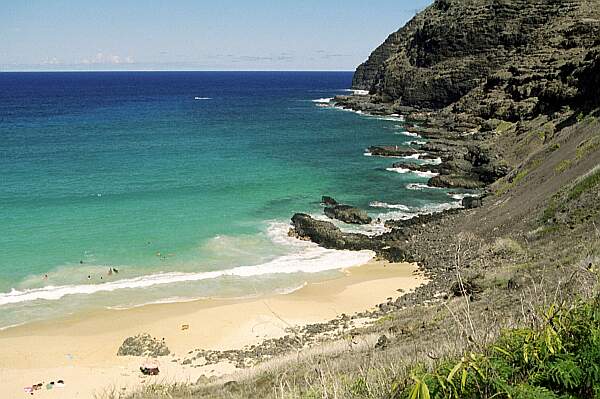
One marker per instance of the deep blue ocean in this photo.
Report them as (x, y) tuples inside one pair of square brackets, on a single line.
[(184, 182)]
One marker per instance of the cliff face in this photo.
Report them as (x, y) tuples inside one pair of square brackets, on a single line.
[(456, 46), (500, 89)]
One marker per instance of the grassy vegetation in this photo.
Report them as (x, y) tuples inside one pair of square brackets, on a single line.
[(561, 202), (506, 185), (587, 147), (499, 345), (586, 184), (563, 165), (504, 127), (561, 359)]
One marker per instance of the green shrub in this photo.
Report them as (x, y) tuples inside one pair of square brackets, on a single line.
[(560, 359)]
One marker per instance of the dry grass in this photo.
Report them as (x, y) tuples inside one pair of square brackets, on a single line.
[(421, 335)]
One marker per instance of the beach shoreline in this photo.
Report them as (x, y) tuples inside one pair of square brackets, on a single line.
[(81, 349)]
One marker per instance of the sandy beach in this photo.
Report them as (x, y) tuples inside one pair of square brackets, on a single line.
[(81, 350)]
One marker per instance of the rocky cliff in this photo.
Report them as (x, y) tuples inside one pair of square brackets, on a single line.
[(524, 50)]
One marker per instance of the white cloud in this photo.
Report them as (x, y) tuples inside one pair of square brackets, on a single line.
[(101, 58), (51, 61)]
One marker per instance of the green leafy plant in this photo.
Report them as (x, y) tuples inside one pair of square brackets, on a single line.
[(559, 359)]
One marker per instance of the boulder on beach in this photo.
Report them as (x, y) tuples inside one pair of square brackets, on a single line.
[(143, 345)]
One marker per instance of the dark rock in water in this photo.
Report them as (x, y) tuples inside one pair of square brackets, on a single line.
[(328, 201), (143, 345), (348, 214), (472, 202), (392, 151), (328, 235)]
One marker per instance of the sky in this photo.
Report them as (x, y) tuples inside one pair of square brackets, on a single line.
[(58, 35)]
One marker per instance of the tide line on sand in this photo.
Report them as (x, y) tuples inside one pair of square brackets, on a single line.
[(309, 259)]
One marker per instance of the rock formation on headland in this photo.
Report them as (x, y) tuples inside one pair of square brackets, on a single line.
[(533, 52), (502, 91), (482, 79)]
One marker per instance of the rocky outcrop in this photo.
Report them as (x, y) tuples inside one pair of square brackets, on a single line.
[(454, 46), (328, 201), (456, 181), (471, 202), (143, 345), (345, 213), (328, 235), (348, 214)]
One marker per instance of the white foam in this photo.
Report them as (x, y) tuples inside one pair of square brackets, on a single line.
[(418, 186), (434, 161), (426, 173), (396, 215), (398, 170), (322, 100), (378, 204), (414, 211), (368, 154), (433, 208), (409, 134), (358, 92), (306, 258), (393, 118), (202, 98), (290, 290), (460, 196)]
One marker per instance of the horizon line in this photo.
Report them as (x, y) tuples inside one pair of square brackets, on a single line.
[(171, 70)]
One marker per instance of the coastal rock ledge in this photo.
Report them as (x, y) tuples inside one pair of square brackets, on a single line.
[(328, 235), (348, 214)]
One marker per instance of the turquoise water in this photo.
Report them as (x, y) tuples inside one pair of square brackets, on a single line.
[(168, 176)]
